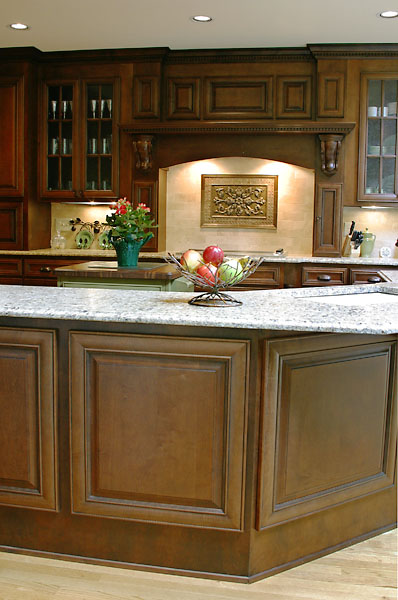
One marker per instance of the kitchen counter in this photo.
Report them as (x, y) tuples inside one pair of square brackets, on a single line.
[(268, 257), (290, 310), (232, 442)]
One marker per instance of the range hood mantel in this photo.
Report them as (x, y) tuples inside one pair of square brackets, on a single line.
[(330, 134)]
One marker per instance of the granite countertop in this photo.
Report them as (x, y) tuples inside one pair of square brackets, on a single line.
[(284, 309), (268, 257)]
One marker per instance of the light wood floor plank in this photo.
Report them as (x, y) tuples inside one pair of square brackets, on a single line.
[(366, 571)]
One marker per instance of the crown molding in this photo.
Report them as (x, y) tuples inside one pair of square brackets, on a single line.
[(344, 51), (264, 127)]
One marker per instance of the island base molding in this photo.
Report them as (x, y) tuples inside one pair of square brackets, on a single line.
[(212, 452)]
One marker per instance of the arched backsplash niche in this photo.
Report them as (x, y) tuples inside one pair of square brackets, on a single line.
[(180, 197)]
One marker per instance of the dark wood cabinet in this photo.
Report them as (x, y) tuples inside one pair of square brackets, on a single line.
[(28, 407), (378, 154), (226, 452), (12, 137), (79, 159), (320, 276)]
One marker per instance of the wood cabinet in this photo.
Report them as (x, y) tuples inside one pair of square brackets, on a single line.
[(320, 276), (10, 271), (28, 407), (79, 158), (41, 271), (222, 452), (378, 154), (12, 136), (266, 277)]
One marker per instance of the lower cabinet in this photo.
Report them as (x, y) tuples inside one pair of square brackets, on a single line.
[(158, 428), (315, 276), (10, 271), (28, 409), (366, 276), (234, 455)]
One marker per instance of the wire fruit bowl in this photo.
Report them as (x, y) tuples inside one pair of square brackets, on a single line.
[(214, 292)]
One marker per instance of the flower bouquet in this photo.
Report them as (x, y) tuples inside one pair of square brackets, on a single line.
[(129, 230)]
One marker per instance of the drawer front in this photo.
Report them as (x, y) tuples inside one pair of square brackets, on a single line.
[(44, 267), (366, 276), (12, 267), (325, 276), (265, 277)]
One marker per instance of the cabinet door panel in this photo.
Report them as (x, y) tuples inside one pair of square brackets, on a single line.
[(294, 97), (12, 137), (158, 428), (28, 419), (239, 98), (335, 440), (331, 95), (11, 215), (327, 221)]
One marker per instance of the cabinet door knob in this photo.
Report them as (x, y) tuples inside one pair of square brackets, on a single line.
[(374, 279), (324, 277), (45, 269)]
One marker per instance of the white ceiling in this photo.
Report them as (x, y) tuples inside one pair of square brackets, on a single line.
[(96, 24)]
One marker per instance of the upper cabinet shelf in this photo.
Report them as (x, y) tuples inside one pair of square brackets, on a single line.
[(79, 157), (378, 164)]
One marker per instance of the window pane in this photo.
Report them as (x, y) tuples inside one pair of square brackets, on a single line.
[(388, 174), (372, 176), (374, 133)]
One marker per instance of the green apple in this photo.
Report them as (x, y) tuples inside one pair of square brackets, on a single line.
[(230, 271)]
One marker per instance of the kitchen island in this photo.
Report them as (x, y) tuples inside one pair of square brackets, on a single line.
[(234, 442)]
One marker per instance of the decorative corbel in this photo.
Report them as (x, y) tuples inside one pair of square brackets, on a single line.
[(330, 148), (143, 152)]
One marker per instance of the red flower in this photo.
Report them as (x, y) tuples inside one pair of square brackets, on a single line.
[(121, 209)]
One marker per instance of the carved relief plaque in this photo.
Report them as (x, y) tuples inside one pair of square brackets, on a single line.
[(239, 201)]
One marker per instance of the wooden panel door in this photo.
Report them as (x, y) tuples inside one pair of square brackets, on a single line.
[(331, 95), (11, 219), (146, 97), (12, 136), (238, 98), (294, 97), (158, 428), (28, 444), (328, 431), (327, 220), (183, 98)]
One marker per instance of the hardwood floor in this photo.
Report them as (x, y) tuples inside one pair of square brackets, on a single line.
[(366, 571)]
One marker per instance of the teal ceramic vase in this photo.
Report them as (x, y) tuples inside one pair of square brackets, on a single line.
[(127, 250)]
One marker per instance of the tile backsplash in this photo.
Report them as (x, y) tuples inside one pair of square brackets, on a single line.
[(295, 208), (86, 213), (383, 222)]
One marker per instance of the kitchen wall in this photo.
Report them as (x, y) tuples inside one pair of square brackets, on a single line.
[(295, 208), (383, 222)]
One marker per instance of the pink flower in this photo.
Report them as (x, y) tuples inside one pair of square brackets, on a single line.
[(144, 206)]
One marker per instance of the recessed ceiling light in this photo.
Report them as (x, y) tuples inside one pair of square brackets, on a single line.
[(389, 14), (19, 26), (201, 19)]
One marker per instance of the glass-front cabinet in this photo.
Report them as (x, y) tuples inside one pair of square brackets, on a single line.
[(378, 163), (80, 140)]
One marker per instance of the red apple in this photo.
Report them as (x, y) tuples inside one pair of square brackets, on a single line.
[(213, 255), (190, 260), (206, 272)]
